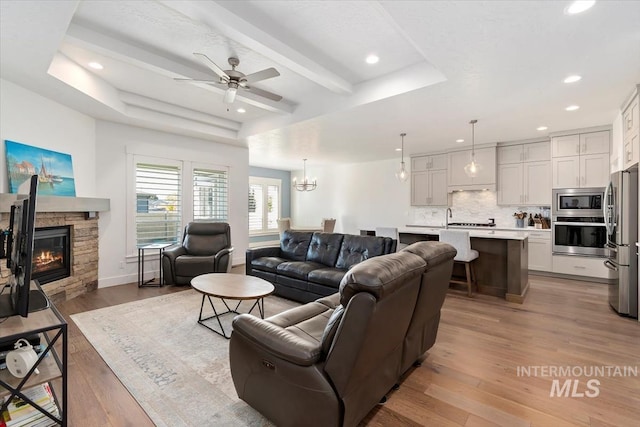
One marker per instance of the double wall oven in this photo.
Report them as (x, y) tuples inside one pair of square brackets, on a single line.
[(578, 224)]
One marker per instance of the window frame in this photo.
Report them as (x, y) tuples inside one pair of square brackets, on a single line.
[(265, 183), (187, 201)]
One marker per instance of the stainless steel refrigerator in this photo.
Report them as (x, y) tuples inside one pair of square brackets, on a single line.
[(621, 218)]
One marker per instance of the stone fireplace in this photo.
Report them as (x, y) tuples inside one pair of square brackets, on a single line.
[(51, 254), (60, 219)]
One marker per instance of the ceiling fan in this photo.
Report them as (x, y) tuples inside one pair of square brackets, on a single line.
[(234, 79)]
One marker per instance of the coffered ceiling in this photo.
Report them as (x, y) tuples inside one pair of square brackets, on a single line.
[(441, 64)]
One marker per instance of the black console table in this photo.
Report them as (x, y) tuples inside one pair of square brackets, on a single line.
[(51, 364)]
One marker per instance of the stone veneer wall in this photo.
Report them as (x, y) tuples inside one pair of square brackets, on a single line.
[(84, 253)]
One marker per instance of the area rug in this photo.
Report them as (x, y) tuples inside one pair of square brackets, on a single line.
[(175, 368)]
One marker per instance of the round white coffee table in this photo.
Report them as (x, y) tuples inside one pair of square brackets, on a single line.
[(227, 286)]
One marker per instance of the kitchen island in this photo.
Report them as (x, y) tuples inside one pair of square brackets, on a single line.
[(502, 269)]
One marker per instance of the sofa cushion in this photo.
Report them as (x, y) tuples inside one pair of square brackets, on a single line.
[(191, 266), (381, 276), (297, 269), (206, 238), (267, 263), (327, 276), (294, 244), (324, 248), (356, 249)]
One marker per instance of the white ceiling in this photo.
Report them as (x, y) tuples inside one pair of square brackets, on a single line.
[(442, 63)]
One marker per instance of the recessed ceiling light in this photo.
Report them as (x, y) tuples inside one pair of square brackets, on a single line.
[(542, 128), (579, 6), (241, 110), (572, 107), (572, 79), (96, 65), (459, 140), (398, 149), (372, 59)]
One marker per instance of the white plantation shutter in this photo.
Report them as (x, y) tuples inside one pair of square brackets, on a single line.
[(256, 207), (158, 203), (273, 206), (210, 195), (264, 205)]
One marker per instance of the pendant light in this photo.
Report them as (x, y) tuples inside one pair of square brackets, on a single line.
[(306, 184), (402, 175), (472, 168)]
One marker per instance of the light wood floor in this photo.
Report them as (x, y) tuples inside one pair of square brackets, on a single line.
[(469, 378)]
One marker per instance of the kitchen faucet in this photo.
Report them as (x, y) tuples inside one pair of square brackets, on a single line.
[(447, 215)]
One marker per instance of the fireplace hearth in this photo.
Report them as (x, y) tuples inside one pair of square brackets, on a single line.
[(51, 254)]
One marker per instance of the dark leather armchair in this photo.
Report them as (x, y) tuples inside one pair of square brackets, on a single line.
[(205, 248)]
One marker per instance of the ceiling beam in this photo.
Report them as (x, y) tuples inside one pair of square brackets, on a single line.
[(247, 34)]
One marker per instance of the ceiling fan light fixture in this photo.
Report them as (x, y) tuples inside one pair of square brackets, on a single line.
[(402, 175), (473, 168), (230, 94)]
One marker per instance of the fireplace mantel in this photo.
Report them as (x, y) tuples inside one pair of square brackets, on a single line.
[(59, 203)]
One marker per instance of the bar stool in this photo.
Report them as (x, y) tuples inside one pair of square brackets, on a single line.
[(391, 232), (460, 240)]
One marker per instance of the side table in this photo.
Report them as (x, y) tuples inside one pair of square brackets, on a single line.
[(160, 247)]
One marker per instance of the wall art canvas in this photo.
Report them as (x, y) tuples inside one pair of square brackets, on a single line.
[(54, 170)]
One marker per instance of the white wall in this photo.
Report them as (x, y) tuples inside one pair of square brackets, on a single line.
[(31, 119), (368, 195), (119, 265), (359, 196)]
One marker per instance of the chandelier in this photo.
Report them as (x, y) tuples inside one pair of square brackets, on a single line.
[(305, 185), (402, 175), (472, 168)]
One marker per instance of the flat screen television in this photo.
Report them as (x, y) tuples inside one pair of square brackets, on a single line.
[(21, 299)]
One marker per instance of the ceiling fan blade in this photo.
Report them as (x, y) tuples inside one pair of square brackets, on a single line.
[(264, 93), (262, 75), (218, 82), (209, 63), (230, 95)]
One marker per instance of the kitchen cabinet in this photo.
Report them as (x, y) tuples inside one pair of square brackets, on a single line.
[(540, 251), (486, 177), (429, 188), (433, 162), (524, 176), (580, 160), (631, 132), (581, 266)]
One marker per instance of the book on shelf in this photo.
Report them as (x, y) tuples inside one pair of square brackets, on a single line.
[(20, 413)]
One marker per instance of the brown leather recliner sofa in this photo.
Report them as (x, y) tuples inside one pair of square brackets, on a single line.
[(329, 362), (309, 265)]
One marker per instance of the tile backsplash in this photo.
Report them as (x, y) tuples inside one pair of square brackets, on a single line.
[(473, 206)]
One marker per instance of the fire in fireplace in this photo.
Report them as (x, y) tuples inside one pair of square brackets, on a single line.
[(51, 254)]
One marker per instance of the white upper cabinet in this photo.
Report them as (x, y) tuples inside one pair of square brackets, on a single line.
[(524, 174), (423, 163), (562, 146), (631, 132), (429, 180), (580, 160), (486, 177), (594, 143)]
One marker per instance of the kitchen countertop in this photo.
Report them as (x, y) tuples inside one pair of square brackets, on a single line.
[(482, 232)]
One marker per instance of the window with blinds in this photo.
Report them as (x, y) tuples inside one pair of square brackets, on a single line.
[(264, 205), (158, 203), (210, 195)]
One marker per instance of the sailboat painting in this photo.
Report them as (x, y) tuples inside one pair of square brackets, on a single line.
[(54, 169)]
